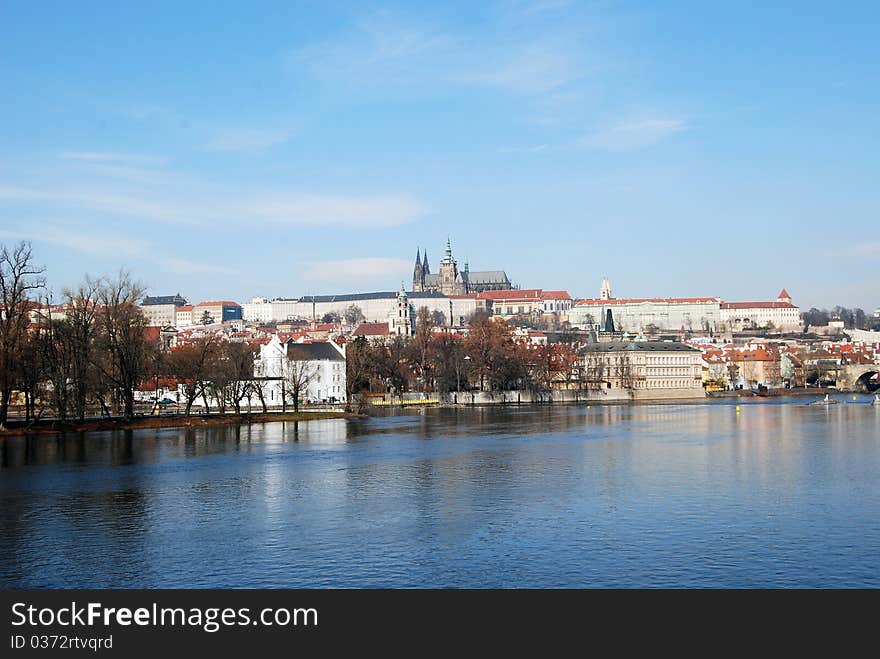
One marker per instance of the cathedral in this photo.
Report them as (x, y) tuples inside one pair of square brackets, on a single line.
[(452, 281)]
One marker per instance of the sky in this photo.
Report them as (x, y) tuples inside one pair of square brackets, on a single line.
[(229, 150)]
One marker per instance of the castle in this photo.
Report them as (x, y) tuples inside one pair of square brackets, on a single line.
[(452, 281)]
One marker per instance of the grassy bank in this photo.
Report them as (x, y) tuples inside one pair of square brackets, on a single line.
[(194, 421)]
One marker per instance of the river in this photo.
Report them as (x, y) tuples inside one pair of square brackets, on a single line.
[(777, 494)]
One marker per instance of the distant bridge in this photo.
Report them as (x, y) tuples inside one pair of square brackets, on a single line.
[(858, 376)]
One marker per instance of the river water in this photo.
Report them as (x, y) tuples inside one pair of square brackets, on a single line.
[(778, 494)]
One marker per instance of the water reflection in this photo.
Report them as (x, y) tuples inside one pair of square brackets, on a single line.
[(617, 495)]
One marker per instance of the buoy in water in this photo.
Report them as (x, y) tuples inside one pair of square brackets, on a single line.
[(737, 408)]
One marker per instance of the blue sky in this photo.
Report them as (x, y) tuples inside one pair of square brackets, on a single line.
[(239, 149)]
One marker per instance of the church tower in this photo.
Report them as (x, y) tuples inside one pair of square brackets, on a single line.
[(418, 284), (605, 293), (448, 271), (401, 321)]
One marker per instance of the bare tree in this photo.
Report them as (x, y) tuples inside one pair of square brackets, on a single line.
[(298, 374), (81, 310), (122, 325), (239, 369), (624, 373), (54, 340), (19, 280), (419, 348), (31, 374), (259, 386), (358, 367), (190, 363)]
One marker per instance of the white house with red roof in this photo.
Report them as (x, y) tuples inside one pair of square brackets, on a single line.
[(525, 301), (781, 314)]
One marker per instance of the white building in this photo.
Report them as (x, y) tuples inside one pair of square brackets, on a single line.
[(636, 314), (324, 364), (373, 306), (781, 314), (184, 316), (258, 310), (161, 311), (647, 369)]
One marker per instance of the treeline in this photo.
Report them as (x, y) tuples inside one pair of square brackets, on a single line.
[(852, 318), (95, 353), (488, 358)]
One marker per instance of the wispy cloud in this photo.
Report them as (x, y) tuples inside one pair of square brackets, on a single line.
[(182, 266), (201, 207), (249, 140), (355, 270), (538, 148), (534, 69), (379, 50), (385, 51), (96, 243), (635, 134), (868, 249), (108, 203), (113, 157), (357, 212)]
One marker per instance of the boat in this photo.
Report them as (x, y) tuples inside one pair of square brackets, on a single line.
[(825, 401), (876, 400)]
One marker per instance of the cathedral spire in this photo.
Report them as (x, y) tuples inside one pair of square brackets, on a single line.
[(448, 257)]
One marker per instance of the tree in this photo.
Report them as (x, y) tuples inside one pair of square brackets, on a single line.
[(358, 369), (207, 318), (495, 358), (191, 363), (624, 373), (238, 365), (732, 373), (31, 373), (54, 339), (449, 364), (419, 352), (353, 315), (82, 306), (593, 370), (331, 317), (439, 318), (122, 335), (299, 374), (19, 281)]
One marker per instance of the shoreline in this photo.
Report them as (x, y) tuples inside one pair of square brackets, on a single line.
[(51, 427), (21, 428)]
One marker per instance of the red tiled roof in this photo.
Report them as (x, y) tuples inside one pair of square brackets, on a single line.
[(555, 295), (784, 295), (184, 308), (523, 294), (163, 383), (372, 329), (218, 303), (757, 305)]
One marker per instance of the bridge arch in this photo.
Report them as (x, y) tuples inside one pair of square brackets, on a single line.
[(868, 381)]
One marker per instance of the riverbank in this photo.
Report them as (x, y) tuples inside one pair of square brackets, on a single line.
[(779, 393), (50, 427)]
